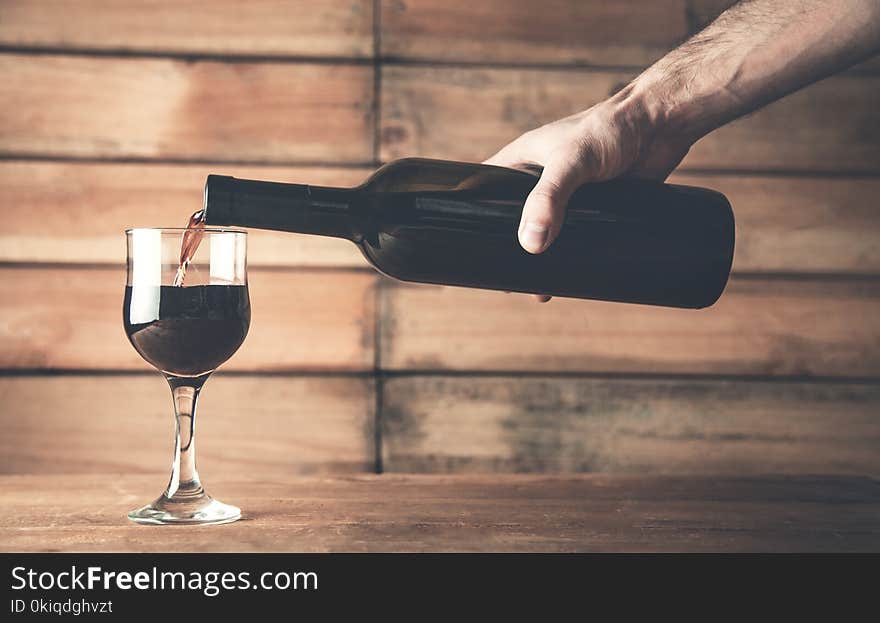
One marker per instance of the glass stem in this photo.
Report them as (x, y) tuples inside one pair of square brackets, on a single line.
[(184, 481)]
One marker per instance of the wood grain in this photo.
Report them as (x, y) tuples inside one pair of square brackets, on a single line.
[(642, 426), (71, 318), (161, 108), (247, 425), (456, 514), (75, 212), (703, 12), (801, 224), (628, 32), (758, 327), (268, 27), (829, 126), (468, 113)]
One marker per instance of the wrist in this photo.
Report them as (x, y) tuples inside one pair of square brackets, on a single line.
[(678, 109), (646, 110)]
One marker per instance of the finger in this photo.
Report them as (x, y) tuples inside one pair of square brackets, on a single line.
[(507, 156), (544, 210)]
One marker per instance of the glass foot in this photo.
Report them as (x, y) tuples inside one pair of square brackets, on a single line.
[(197, 510)]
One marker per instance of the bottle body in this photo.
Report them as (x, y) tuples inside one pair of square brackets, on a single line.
[(456, 224)]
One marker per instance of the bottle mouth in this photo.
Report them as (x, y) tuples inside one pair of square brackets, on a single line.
[(179, 230)]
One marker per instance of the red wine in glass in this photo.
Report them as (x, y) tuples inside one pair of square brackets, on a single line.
[(196, 328)]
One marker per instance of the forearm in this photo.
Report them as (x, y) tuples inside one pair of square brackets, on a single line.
[(754, 53)]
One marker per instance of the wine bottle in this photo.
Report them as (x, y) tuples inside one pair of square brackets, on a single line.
[(454, 223)]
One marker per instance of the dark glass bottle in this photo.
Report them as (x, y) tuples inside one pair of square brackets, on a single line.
[(455, 223)]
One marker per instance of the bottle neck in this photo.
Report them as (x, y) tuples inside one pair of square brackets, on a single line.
[(298, 208)]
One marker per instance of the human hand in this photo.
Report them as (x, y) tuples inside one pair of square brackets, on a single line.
[(611, 139), (598, 144)]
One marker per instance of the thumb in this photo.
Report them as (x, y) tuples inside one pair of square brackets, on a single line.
[(544, 210)]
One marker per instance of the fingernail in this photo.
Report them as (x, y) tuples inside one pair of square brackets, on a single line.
[(533, 237)]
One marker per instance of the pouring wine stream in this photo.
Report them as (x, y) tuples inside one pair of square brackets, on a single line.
[(189, 244)]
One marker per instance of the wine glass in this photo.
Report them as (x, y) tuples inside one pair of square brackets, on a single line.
[(186, 331)]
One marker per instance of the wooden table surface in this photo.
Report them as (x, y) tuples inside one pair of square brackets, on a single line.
[(412, 513)]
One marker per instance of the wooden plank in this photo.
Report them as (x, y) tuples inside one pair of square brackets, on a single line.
[(247, 425), (76, 211), (512, 513), (702, 12), (71, 318), (267, 27), (161, 108), (468, 113), (429, 111), (628, 32), (758, 327), (801, 224), (829, 126), (504, 424)]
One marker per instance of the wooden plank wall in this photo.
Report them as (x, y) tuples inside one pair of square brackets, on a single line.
[(113, 113)]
